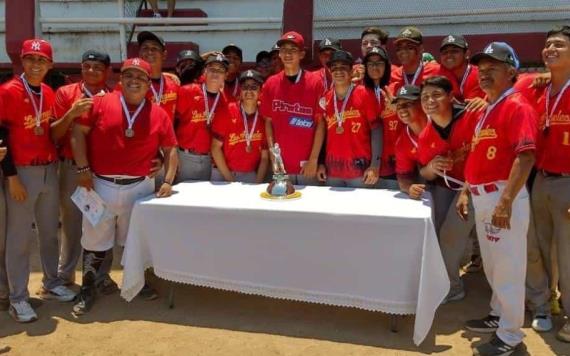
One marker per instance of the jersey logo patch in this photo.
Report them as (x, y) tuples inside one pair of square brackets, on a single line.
[(302, 122)]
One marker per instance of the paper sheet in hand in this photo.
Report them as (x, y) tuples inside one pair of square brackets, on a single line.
[(90, 204)]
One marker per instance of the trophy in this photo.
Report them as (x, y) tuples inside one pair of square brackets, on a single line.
[(280, 187)]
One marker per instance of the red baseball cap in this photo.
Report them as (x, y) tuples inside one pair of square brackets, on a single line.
[(292, 37), (138, 64), (37, 46)]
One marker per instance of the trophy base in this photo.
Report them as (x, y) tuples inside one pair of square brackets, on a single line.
[(268, 196)]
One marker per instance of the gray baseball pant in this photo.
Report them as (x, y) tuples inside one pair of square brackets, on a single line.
[(243, 177), (41, 206), (550, 202), (3, 277), (193, 167)]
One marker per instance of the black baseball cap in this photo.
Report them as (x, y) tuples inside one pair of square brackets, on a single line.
[(149, 36), (341, 56), (235, 48), (251, 74), (499, 51), (409, 92), (217, 58), (275, 48), (454, 40), (94, 55), (330, 43), (410, 33), (379, 51), (261, 56), (188, 54)]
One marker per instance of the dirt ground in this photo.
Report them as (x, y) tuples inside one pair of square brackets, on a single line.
[(211, 322)]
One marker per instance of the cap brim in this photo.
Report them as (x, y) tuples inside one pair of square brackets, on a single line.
[(281, 42), (37, 53), (406, 97), (479, 56), (124, 68), (370, 54), (407, 39), (345, 61), (334, 48), (453, 45)]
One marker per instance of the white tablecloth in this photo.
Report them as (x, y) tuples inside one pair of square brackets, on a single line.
[(370, 249)]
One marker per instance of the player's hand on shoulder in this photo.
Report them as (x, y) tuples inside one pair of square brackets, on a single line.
[(81, 106), (476, 104)]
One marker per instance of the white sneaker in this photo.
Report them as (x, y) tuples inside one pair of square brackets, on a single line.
[(23, 312), (542, 323), (59, 293)]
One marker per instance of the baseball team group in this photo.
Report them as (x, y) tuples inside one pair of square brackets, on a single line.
[(490, 144)]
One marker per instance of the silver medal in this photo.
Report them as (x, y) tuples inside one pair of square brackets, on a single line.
[(130, 133), (38, 130)]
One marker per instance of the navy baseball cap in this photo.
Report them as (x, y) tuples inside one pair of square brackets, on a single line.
[(454, 40), (341, 56), (149, 36), (251, 74), (98, 56), (330, 43), (217, 58), (235, 48), (499, 51), (409, 92), (379, 51), (188, 54)]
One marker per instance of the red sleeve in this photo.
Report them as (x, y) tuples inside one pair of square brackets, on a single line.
[(404, 163), (167, 137), (423, 151), (62, 104), (266, 94), (523, 128)]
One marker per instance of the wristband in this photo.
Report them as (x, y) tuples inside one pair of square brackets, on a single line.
[(167, 182)]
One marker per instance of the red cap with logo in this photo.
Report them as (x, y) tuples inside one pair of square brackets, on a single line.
[(37, 46), (292, 37), (138, 64)]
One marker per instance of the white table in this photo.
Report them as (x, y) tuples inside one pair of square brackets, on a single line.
[(369, 249)]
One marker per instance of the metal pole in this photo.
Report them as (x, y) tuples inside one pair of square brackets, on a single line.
[(122, 31)]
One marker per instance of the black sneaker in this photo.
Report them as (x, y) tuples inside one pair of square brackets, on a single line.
[(148, 293), (496, 347), (84, 301), (486, 325), (107, 286)]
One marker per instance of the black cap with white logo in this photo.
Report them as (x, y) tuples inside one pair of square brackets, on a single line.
[(251, 74), (408, 92), (98, 56), (454, 40)]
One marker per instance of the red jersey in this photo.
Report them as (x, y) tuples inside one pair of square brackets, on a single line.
[(169, 97), (467, 86), (457, 145), (65, 96), (348, 154), (294, 112), (232, 90), (509, 129), (110, 151), (326, 78), (406, 153), (392, 127), (192, 130), (524, 86), (553, 143), (20, 118), (429, 69), (231, 131)]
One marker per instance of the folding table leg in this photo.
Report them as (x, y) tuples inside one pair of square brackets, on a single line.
[(394, 327), (171, 295)]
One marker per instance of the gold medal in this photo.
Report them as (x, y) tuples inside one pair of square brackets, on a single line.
[(130, 133), (339, 130), (248, 148), (38, 130)]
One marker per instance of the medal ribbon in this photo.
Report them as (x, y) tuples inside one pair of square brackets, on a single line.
[(416, 75), (248, 133), (549, 113), (414, 142), (339, 116), (464, 79), (158, 96), (37, 110), (131, 119), (209, 114), (488, 111)]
